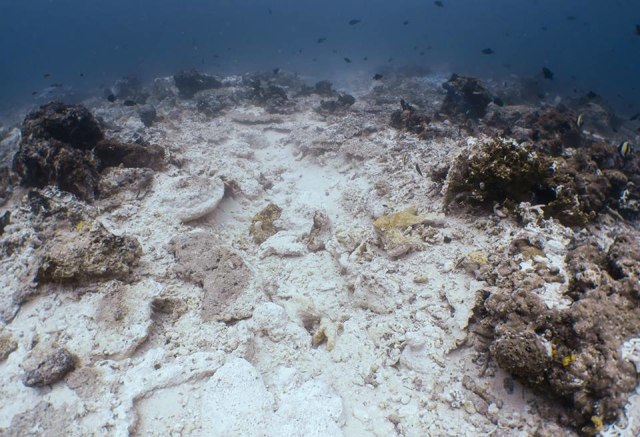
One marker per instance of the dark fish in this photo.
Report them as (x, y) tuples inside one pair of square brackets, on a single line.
[(46, 75), (506, 65), (111, 98), (422, 53), (334, 51), (390, 60), (33, 93), (81, 74), (276, 71), (270, 11), (637, 29), (544, 28), (366, 58), (591, 95), (377, 76), (347, 60), (56, 85), (548, 74), (405, 22), (635, 117), (354, 22), (321, 40), (129, 103), (487, 51), (498, 101), (439, 4), (571, 18), (418, 169)]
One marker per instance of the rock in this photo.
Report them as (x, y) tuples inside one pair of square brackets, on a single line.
[(190, 82), (70, 124), (5, 219), (284, 244), (48, 368), (8, 344), (397, 233), (343, 102), (319, 231), (324, 88), (63, 145), (192, 197), (219, 270), (86, 254), (133, 183), (148, 115), (111, 153), (465, 97), (129, 88), (55, 149), (262, 224)]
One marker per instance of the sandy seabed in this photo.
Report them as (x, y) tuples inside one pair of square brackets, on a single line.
[(268, 298)]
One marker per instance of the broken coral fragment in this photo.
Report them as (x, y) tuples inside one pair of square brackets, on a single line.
[(90, 253), (262, 224), (47, 368)]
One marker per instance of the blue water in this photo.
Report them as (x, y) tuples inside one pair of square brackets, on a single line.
[(107, 39)]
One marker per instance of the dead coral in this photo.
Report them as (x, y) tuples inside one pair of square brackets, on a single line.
[(466, 97), (63, 145), (86, 254), (219, 270), (8, 344), (570, 353), (262, 224)]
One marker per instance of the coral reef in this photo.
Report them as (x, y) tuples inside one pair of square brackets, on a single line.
[(573, 190), (466, 97), (572, 353), (64, 145)]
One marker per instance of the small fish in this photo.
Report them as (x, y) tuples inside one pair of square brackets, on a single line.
[(418, 169), (321, 40), (548, 74), (405, 157), (439, 4), (390, 60), (276, 71), (635, 117), (111, 98), (624, 149), (270, 11), (56, 85), (129, 103), (498, 101), (488, 51), (377, 76), (405, 22), (347, 60), (33, 93), (571, 18), (580, 121), (354, 22), (81, 74), (46, 75), (637, 29), (366, 58)]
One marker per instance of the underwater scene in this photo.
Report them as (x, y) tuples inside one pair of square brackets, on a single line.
[(309, 219)]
